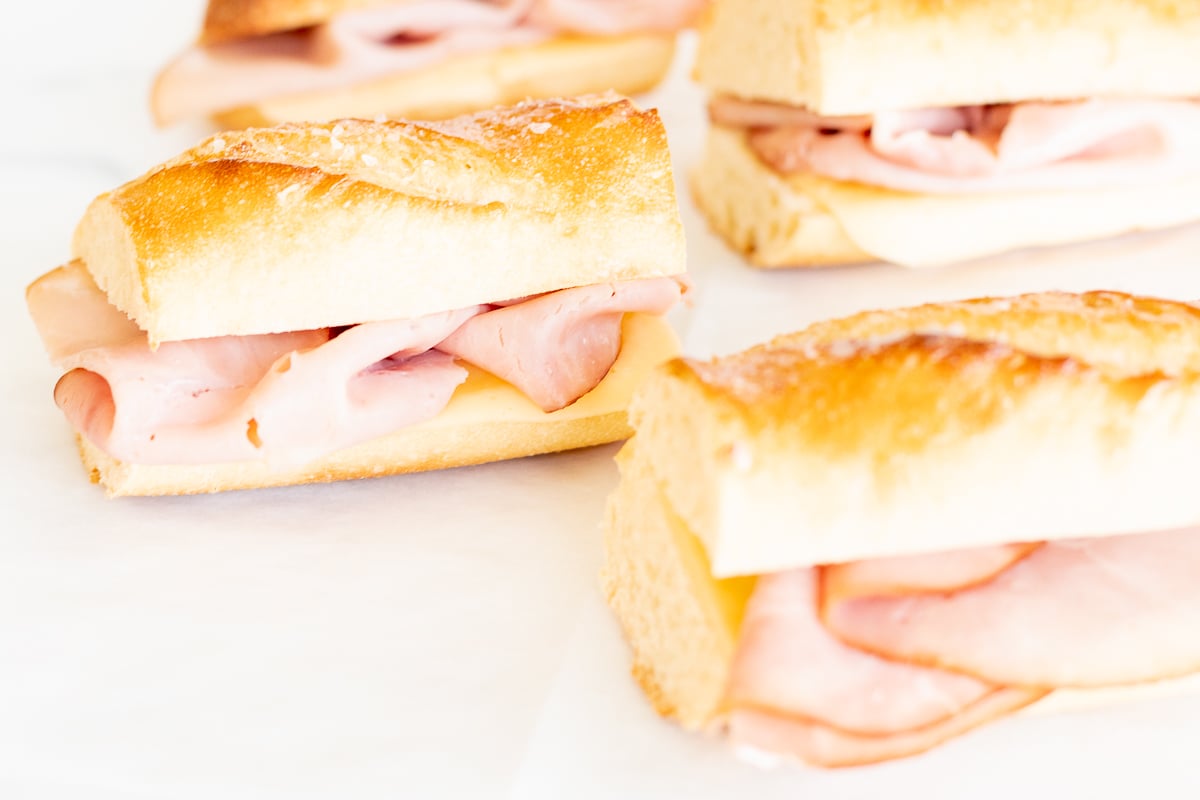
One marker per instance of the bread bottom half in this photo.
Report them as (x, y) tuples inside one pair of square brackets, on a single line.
[(562, 67), (682, 624), (486, 420), (805, 220)]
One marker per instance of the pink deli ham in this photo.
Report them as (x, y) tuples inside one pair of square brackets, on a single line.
[(1023, 147), (788, 663), (360, 46), (830, 747), (291, 397), (556, 347), (1083, 613), (856, 663)]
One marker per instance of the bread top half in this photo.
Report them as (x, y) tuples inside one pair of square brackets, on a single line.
[(933, 428), (231, 20), (306, 225), (863, 56)]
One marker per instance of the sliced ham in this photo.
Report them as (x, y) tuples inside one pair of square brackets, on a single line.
[(932, 572), (361, 46), (1083, 613), (291, 397), (170, 405), (789, 665), (1023, 147), (829, 747), (370, 380), (856, 663), (557, 347)]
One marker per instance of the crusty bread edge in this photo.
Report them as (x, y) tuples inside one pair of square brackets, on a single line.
[(863, 56), (507, 203)]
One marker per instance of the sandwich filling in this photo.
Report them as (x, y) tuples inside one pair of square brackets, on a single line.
[(289, 398), (1032, 146), (363, 45), (860, 662)]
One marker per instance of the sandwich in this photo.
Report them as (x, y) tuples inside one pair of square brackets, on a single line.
[(262, 62), (864, 539), (317, 302), (930, 133)]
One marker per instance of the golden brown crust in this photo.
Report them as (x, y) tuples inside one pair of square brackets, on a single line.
[(389, 219), (916, 391), (860, 56), (943, 426), (1121, 334), (564, 66), (228, 20)]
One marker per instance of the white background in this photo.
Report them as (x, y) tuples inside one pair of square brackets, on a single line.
[(432, 635)]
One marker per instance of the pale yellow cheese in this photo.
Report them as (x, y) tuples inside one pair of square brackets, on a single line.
[(925, 230)]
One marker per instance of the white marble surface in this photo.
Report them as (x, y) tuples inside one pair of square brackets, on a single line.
[(429, 636)]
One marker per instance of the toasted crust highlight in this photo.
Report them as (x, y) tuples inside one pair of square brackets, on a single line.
[(390, 219)]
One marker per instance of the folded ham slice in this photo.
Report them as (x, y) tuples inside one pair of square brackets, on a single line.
[(585, 321), (1027, 146), (1084, 613), (288, 398), (788, 663), (360, 46), (855, 663)]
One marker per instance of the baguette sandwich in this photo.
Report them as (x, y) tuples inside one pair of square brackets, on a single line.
[(930, 133), (864, 539), (321, 302), (261, 62)]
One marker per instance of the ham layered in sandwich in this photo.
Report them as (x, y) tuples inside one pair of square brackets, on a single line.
[(864, 539), (928, 133), (319, 302), (268, 61)]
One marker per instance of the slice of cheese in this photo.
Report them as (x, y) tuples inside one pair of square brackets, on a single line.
[(927, 230)]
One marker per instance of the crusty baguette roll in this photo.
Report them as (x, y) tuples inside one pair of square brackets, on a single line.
[(808, 220), (914, 430), (321, 302), (534, 198), (862, 56), (564, 66), (944, 427)]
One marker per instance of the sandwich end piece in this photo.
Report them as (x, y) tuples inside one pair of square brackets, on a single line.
[(680, 624)]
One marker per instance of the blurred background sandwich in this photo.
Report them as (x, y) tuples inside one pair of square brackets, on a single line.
[(260, 62), (929, 133)]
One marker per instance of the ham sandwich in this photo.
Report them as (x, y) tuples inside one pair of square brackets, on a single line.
[(884, 131), (239, 64), (362, 335), (891, 529)]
